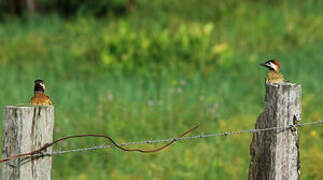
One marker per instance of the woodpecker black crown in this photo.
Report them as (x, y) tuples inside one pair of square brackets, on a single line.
[(271, 64)]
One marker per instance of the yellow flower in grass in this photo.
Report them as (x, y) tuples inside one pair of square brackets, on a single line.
[(82, 177), (313, 133)]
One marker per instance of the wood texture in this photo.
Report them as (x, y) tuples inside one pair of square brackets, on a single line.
[(275, 154), (25, 129)]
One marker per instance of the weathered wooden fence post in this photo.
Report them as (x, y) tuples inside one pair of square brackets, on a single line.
[(275, 154), (25, 129)]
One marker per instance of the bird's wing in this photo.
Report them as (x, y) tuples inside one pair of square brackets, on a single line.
[(33, 100), (49, 102)]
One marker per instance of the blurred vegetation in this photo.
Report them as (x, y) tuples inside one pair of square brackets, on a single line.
[(157, 69)]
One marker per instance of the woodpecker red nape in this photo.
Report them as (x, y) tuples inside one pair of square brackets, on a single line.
[(277, 64), (274, 76), (272, 65)]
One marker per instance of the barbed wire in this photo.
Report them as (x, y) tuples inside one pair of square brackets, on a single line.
[(201, 136), (40, 151)]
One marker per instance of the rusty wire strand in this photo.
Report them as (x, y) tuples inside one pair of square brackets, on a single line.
[(40, 151), (172, 140)]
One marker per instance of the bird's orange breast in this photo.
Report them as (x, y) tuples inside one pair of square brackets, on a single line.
[(40, 99)]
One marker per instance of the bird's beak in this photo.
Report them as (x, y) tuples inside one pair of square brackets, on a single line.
[(43, 86), (263, 64)]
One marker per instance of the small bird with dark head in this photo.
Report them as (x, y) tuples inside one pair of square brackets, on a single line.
[(40, 98), (274, 76)]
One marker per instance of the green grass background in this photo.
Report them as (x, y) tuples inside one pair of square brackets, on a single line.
[(159, 70)]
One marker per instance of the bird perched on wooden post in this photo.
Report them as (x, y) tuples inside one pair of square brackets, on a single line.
[(40, 98), (274, 76)]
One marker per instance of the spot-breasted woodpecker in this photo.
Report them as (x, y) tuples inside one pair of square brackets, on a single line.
[(274, 76)]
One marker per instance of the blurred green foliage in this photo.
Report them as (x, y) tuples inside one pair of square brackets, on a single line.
[(130, 50), (159, 69)]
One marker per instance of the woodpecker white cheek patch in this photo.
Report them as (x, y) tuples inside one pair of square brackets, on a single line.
[(272, 65)]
